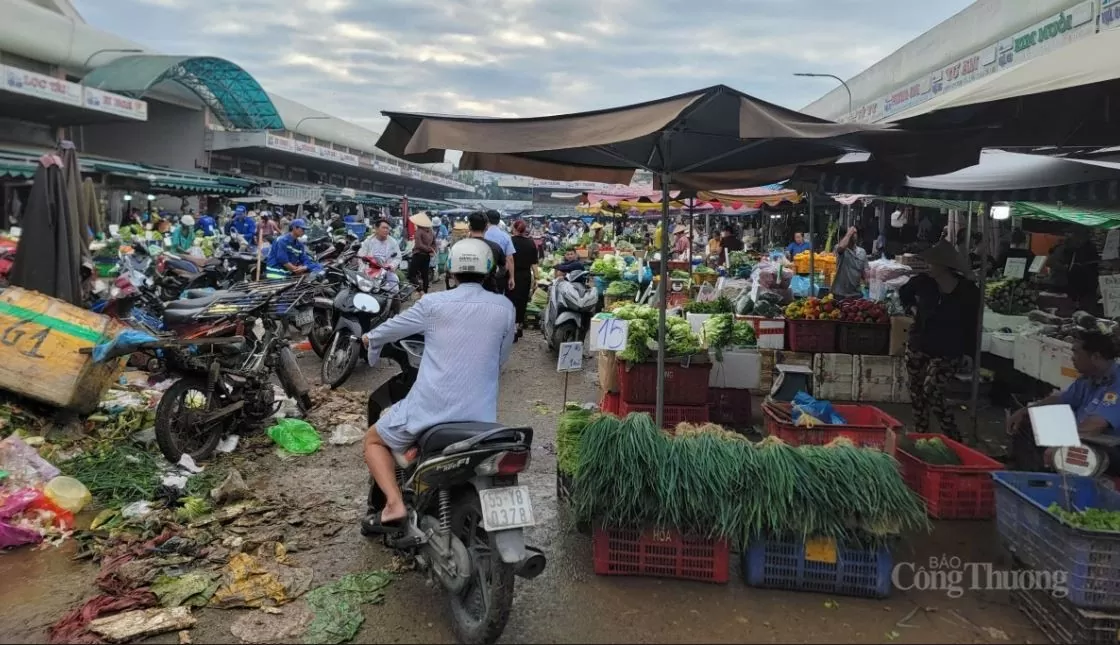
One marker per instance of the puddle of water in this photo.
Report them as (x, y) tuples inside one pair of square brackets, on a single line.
[(39, 587)]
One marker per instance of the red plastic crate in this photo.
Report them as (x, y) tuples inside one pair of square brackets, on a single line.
[(660, 553), (673, 414), (637, 382), (609, 403), (730, 407), (868, 339), (964, 492), (816, 336), (866, 425)]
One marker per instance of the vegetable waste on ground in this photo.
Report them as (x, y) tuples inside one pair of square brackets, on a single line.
[(712, 482)]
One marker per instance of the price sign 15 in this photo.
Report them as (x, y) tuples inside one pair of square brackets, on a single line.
[(611, 335)]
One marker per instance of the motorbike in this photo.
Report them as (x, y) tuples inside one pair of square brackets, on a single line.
[(334, 278), (572, 300), (362, 304), (228, 348), (466, 511)]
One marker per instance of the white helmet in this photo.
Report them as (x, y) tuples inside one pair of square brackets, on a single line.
[(471, 255)]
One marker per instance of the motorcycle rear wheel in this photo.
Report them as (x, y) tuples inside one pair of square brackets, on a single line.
[(177, 430), (338, 363), (321, 331), (565, 333), (480, 613)]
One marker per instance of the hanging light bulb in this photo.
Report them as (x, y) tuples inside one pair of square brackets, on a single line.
[(151, 198), (127, 198), (1001, 211)]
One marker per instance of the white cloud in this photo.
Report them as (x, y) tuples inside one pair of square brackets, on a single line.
[(354, 58)]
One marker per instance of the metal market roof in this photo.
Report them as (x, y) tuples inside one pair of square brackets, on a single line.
[(21, 163), (231, 93)]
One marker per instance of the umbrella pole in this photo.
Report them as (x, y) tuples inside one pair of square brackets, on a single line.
[(974, 398), (663, 303), (812, 251)]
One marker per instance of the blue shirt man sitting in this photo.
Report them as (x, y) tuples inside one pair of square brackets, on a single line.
[(245, 226), (288, 253)]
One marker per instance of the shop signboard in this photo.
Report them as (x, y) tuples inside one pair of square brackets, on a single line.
[(1110, 14), (48, 88), (280, 143), (111, 103), (1048, 35), (1042, 37)]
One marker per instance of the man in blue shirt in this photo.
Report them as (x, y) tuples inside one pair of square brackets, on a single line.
[(798, 245), (289, 253), (243, 225), (502, 239), (207, 224), (1094, 397)]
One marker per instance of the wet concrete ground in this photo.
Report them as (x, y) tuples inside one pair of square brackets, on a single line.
[(568, 603)]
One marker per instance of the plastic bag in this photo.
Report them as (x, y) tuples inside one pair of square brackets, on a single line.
[(24, 465), (296, 436), (884, 276), (803, 404), (799, 285)]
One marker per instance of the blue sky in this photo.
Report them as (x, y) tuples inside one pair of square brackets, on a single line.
[(353, 58)]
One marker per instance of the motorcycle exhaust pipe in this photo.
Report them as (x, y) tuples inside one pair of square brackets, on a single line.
[(533, 564)]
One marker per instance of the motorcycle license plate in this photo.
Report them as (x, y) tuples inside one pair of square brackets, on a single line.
[(506, 508), (304, 317)]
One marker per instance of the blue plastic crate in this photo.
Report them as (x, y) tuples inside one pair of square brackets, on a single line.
[(1091, 559), (357, 229), (782, 564)]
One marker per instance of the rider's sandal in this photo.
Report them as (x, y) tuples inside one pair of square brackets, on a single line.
[(373, 524)]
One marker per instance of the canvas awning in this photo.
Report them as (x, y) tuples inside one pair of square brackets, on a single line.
[(716, 137), (1000, 176)]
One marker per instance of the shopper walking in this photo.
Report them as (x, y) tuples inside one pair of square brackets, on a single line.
[(525, 261), (423, 248), (944, 302)]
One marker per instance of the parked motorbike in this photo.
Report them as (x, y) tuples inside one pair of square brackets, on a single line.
[(466, 511), (333, 280), (362, 304), (572, 300), (230, 346)]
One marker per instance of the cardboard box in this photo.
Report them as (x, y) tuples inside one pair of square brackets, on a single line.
[(740, 369), (608, 373), (900, 334)]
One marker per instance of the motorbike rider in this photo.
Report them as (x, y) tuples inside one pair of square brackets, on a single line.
[(207, 224), (182, 238), (459, 371), (383, 248), (243, 225), (571, 263), (497, 280), (289, 253)]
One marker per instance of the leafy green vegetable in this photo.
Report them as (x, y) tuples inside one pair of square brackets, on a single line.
[(721, 305), (931, 450), (679, 339), (623, 288), (1094, 519), (677, 274), (568, 430)]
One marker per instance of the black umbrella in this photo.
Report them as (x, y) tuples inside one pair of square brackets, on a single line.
[(716, 137), (48, 259)]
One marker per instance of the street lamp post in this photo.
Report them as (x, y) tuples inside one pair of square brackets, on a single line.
[(833, 76), (85, 65), (307, 118)]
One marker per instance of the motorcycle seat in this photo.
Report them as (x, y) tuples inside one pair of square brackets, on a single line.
[(196, 299), (436, 438)]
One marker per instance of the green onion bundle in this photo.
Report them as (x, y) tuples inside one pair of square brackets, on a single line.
[(711, 482)]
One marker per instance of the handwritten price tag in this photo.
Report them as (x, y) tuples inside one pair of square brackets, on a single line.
[(1015, 268), (570, 358), (1037, 264), (611, 335)]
